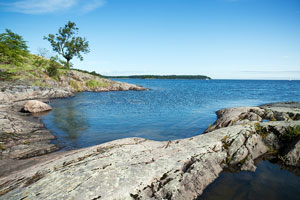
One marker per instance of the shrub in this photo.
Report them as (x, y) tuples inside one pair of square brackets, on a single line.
[(53, 67)]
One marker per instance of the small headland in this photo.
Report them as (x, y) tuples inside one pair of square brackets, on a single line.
[(22, 135)]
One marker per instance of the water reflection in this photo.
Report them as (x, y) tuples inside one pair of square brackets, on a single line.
[(71, 121), (269, 181)]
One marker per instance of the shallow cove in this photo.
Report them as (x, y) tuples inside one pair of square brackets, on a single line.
[(172, 109)]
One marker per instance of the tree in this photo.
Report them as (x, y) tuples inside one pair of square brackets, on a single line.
[(67, 43), (43, 52), (13, 48)]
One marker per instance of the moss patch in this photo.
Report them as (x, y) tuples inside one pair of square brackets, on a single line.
[(259, 130)]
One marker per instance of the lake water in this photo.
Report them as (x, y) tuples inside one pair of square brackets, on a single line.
[(172, 109), (175, 109)]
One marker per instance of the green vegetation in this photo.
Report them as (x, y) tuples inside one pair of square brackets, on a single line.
[(291, 133), (67, 44), (53, 67), (32, 68), (16, 63), (202, 77), (95, 84), (259, 130), (13, 48), (76, 85)]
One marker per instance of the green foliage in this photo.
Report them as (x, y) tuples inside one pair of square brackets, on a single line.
[(53, 67), (66, 64), (13, 48), (4, 75), (95, 84), (39, 61), (67, 44), (290, 134)]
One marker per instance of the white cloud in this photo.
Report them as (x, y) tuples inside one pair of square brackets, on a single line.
[(92, 4), (51, 6)]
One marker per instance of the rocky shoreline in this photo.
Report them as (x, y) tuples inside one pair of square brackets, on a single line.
[(136, 168), (22, 135)]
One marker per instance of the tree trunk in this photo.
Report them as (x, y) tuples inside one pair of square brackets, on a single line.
[(68, 63)]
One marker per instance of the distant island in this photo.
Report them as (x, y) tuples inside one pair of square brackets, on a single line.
[(202, 77)]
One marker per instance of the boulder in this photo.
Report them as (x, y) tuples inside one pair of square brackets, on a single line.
[(35, 106)]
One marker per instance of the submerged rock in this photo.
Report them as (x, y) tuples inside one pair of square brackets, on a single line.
[(35, 106)]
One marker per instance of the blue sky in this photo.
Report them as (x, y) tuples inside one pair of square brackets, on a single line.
[(246, 39)]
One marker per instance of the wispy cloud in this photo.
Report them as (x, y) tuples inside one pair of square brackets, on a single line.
[(92, 4), (50, 6)]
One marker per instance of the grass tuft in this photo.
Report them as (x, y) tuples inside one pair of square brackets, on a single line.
[(95, 84)]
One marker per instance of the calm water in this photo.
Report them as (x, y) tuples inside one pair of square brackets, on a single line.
[(175, 109), (172, 109), (269, 182)]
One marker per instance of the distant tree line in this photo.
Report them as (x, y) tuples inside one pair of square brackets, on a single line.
[(202, 77)]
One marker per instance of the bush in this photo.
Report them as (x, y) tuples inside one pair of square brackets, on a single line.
[(53, 68), (13, 48)]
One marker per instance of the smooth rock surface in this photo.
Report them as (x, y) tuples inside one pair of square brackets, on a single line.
[(35, 106), (232, 116)]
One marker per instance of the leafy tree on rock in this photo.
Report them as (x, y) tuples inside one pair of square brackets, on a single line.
[(67, 43), (13, 48)]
